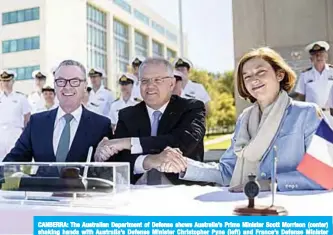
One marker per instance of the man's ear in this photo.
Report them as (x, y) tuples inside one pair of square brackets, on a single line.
[(280, 74)]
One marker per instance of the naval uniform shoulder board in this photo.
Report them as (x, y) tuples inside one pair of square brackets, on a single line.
[(137, 100), (307, 69), (20, 93), (330, 65), (115, 100)]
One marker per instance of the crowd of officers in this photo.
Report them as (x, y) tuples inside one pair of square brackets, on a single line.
[(16, 108), (314, 85)]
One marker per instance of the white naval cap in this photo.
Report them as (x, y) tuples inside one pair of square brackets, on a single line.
[(126, 78), (317, 46), (178, 75), (182, 62), (96, 72), (38, 74), (137, 60), (6, 74)]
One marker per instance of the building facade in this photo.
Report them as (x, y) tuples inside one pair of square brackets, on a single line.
[(284, 25), (38, 34)]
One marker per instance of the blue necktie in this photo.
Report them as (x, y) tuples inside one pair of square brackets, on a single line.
[(63, 146), (154, 177)]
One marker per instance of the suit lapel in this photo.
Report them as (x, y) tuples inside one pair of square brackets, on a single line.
[(170, 116), (49, 130), (80, 137), (143, 120)]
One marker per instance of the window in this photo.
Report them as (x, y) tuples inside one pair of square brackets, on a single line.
[(171, 54), (121, 45), (24, 73), (142, 17), (96, 38), (124, 5), (158, 27), (22, 44), (96, 16), (20, 16), (171, 36), (158, 49), (141, 44)]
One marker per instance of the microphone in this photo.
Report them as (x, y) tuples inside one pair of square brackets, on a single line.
[(273, 178), (85, 171)]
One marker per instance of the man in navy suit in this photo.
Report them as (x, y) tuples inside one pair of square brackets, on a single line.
[(66, 133)]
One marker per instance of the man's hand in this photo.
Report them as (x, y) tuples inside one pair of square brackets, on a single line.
[(104, 151), (170, 161), (265, 185)]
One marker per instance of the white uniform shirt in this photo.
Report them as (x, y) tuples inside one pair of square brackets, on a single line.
[(194, 90), (100, 101), (36, 101), (42, 109), (136, 94), (315, 86), (13, 108), (118, 105)]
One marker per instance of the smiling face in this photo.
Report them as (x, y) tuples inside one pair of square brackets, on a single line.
[(70, 85), (157, 84), (260, 79)]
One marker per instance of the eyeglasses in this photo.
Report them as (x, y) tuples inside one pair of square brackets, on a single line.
[(74, 82), (145, 81)]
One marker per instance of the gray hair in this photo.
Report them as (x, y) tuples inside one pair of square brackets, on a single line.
[(156, 61), (72, 63)]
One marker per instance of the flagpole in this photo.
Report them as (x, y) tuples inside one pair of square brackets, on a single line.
[(180, 15)]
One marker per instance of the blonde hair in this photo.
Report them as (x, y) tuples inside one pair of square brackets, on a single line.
[(277, 63)]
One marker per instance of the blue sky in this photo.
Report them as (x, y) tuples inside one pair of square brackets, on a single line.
[(208, 24)]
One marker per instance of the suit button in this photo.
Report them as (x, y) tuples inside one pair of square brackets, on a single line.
[(263, 174)]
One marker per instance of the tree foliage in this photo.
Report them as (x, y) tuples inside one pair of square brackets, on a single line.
[(220, 87)]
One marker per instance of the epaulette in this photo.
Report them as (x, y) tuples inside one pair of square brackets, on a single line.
[(116, 100), (18, 92), (137, 100), (330, 65), (307, 69)]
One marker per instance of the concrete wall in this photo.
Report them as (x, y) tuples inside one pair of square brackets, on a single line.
[(284, 25)]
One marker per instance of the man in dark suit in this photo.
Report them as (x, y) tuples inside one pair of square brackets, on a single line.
[(66, 133), (154, 135)]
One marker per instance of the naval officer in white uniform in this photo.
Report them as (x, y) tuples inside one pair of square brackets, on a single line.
[(48, 93), (36, 99), (15, 113), (126, 82), (191, 90), (315, 83), (100, 99), (136, 62)]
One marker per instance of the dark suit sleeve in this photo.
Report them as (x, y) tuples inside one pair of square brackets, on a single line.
[(188, 133), (22, 151), (125, 155)]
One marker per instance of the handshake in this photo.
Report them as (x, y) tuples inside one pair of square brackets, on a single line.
[(170, 160)]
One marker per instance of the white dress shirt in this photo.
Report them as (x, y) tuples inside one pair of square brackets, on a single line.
[(60, 123), (136, 145)]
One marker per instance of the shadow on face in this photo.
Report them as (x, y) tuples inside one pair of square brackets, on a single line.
[(96, 81), (319, 58), (70, 85), (126, 89), (6, 85), (157, 85), (49, 96), (40, 83), (260, 79)]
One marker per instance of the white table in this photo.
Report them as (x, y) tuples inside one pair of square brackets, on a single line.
[(169, 200)]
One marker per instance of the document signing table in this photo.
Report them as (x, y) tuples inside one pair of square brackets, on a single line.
[(166, 200)]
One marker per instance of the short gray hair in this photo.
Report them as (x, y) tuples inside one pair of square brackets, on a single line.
[(72, 63), (156, 61)]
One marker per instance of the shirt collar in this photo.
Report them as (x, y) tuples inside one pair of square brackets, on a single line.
[(99, 89), (151, 111), (76, 113)]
